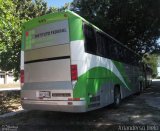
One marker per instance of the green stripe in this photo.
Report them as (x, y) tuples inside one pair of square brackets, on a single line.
[(75, 28), (92, 81), (121, 68)]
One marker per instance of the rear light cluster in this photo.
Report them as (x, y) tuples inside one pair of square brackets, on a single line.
[(74, 99), (74, 73), (70, 100), (22, 76)]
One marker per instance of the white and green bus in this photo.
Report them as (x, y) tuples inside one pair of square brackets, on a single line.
[(70, 65)]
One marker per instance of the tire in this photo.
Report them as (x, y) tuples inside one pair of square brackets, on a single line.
[(117, 97)]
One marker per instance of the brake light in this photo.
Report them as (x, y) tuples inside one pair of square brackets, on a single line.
[(74, 99), (22, 76), (74, 73)]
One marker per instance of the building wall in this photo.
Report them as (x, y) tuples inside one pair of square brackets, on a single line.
[(7, 78)]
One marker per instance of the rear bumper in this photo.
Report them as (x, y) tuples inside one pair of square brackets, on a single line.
[(77, 106)]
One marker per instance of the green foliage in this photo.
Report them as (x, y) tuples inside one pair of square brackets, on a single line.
[(158, 77), (66, 6), (13, 14), (152, 61), (9, 26), (136, 23)]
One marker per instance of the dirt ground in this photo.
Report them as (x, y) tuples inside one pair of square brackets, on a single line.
[(10, 85), (9, 101), (136, 112)]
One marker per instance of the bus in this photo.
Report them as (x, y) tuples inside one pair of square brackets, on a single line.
[(70, 65)]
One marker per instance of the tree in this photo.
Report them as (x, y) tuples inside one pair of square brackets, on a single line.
[(136, 23), (9, 28), (13, 15), (152, 61)]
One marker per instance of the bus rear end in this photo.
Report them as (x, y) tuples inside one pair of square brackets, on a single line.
[(47, 73)]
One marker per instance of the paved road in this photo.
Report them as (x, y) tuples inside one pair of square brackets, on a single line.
[(134, 110)]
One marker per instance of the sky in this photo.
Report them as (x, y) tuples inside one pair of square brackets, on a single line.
[(57, 3)]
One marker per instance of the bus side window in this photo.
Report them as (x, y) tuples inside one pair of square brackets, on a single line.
[(113, 54), (99, 42), (101, 45), (120, 53), (90, 40), (125, 56), (115, 51)]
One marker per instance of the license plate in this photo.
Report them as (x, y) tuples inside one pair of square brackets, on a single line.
[(44, 94)]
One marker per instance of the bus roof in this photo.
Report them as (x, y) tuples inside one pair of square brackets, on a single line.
[(48, 18)]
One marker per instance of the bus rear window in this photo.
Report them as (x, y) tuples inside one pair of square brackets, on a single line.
[(47, 35)]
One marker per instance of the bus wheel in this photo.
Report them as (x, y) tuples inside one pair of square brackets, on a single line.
[(117, 96)]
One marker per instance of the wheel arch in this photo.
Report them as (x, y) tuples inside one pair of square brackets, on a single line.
[(119, 87)]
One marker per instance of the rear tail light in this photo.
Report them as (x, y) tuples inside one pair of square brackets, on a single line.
[(74, 99), (22, 76), (74, 73)]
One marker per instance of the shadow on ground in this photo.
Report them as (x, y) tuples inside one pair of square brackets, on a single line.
[(9, 101)]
